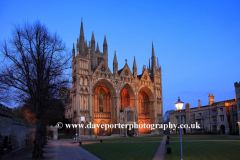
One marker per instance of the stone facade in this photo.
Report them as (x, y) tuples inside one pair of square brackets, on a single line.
[(217, 117), (15, 133), (102, 97)]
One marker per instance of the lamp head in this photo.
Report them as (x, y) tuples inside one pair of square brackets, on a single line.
[(179, 104)]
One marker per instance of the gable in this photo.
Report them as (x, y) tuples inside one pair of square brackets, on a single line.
[(125, 72), (145, 76), (102, 68)]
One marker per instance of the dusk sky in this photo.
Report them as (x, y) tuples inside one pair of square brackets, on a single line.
[(197, 42)]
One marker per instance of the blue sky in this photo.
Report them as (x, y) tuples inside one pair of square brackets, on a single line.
[(196, 42)]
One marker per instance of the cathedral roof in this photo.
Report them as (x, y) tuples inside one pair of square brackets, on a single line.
[(120, 71)]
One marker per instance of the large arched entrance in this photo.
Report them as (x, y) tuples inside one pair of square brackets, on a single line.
[(145, 99), (127, 97), (103, 111)]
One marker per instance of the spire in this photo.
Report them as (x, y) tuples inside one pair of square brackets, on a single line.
[(153, 54), (105, 41), (93, 39), (81, 29), (134, 68), (92, 44), (134, 63), (115, 64), (97, 50), (81, 40), (157, 63), (115, 58), (153, 67), (73, 51), (105, 46)]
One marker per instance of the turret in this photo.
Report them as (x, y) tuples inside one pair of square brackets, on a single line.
[(134, 68), (115, 64), (105, 46)]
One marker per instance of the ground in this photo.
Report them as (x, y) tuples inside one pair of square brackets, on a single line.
[(205, 147), (197, 147)]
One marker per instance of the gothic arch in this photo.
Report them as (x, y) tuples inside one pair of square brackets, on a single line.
[(107, 84), (147, 91), (128, 87), (127, 97), (145, 102)]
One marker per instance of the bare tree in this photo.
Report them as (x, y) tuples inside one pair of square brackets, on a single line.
[(36, 64), (166, 115)]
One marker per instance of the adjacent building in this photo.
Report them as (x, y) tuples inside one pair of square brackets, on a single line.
[(216, 117)]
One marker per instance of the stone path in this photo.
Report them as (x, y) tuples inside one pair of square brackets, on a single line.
[(58, 150), (160, 154)]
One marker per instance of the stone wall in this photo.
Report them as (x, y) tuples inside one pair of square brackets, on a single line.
[(15, 133)]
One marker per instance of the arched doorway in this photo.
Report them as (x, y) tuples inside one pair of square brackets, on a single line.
[(222, 129), (102, 109), (143, 111), (127, 97)]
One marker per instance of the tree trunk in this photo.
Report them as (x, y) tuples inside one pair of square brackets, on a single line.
[(38, 153)]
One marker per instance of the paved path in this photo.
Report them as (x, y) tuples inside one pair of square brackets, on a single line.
[(64, 149), (58, 150), (160, 154)]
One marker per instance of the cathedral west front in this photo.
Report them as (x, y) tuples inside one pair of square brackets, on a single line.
[(99, 96)]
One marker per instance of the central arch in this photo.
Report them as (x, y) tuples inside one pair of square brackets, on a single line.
[(127, 97)]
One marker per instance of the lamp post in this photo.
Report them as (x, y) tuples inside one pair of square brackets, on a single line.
[(179, 106), (76, 132)]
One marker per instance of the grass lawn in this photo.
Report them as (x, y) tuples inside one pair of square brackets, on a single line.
[(123, 151), (65, 136), (203, 137), (132, 139), (205, 151)]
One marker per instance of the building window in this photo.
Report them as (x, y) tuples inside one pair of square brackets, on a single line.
[(222, 118), (214, 118), (200, 114), (206, 120), (221, 109)]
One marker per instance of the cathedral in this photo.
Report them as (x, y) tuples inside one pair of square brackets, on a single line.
[(99, 96)]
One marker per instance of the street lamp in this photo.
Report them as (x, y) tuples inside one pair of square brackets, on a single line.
[(179, 106), (76, 132)]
